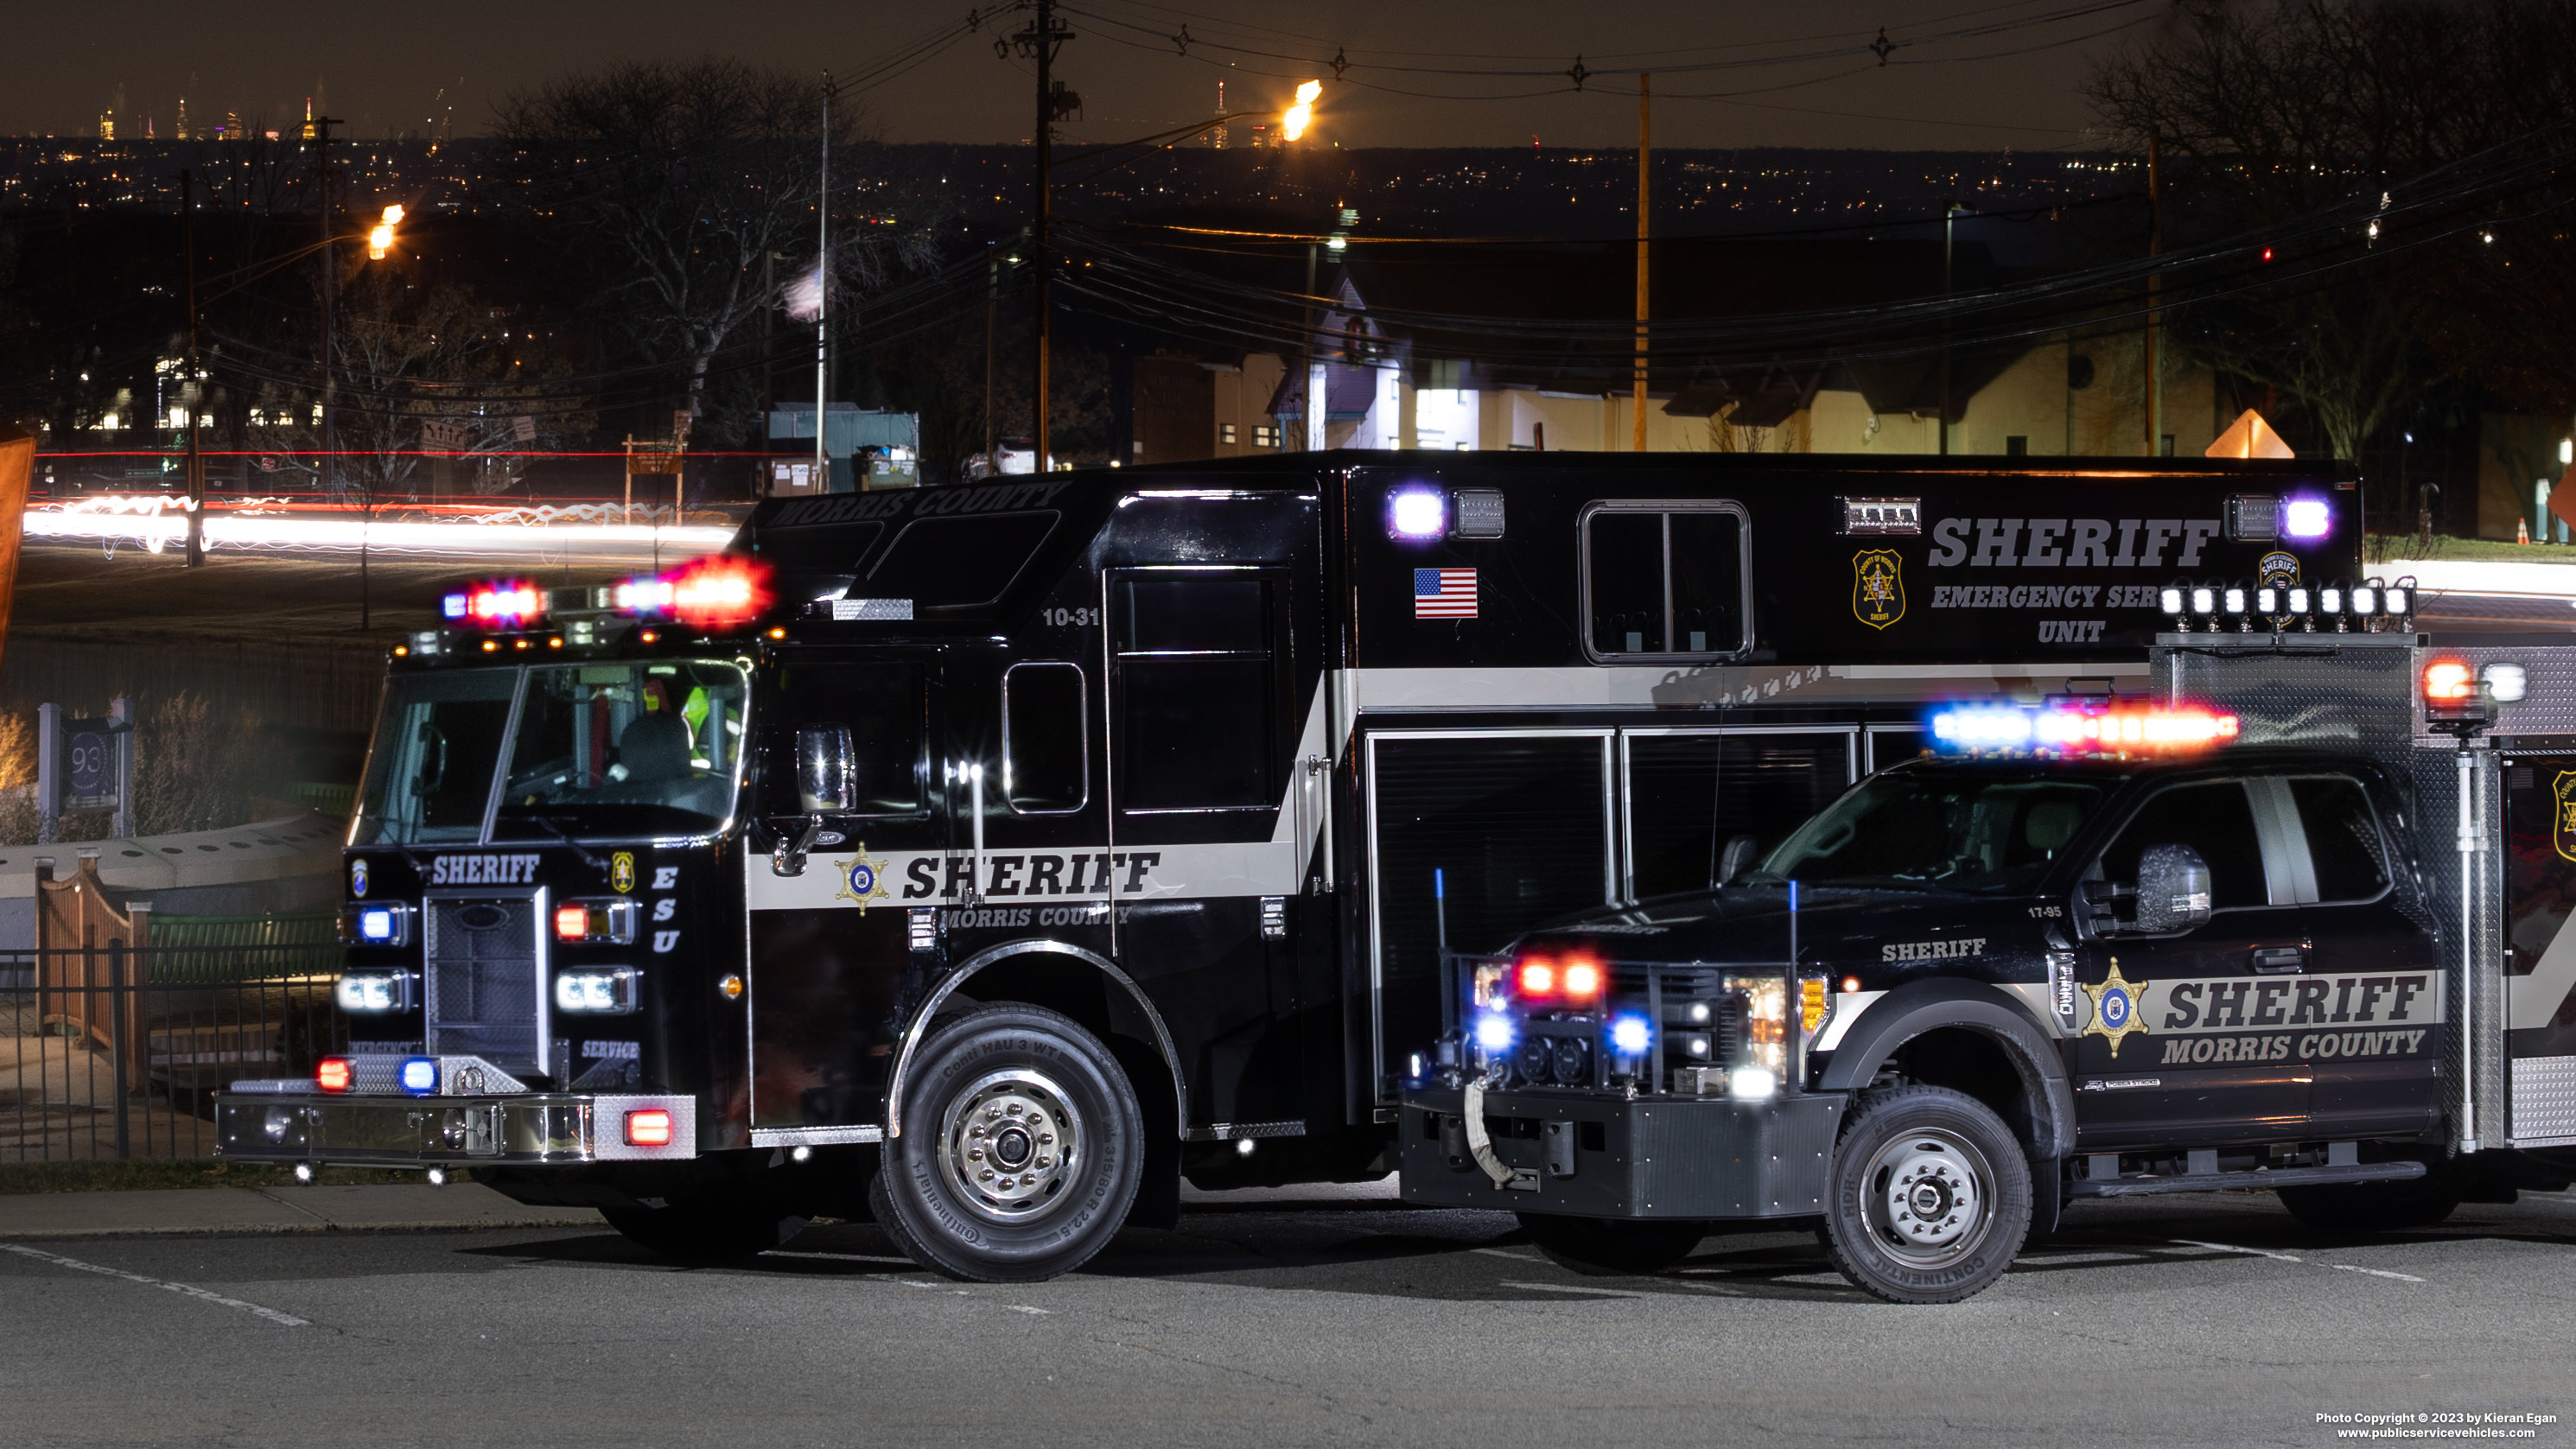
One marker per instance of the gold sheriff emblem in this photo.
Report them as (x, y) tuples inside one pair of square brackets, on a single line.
[(1878, 587), (2115, 1008), (862, 879)]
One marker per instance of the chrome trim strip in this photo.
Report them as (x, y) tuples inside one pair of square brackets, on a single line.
[(912, 1031), (814, 1136)]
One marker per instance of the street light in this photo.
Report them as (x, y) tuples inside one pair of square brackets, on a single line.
[(381, 240), (1292, 125)]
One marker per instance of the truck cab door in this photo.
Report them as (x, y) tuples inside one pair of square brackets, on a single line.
[(2370, 1013), (2540, 953), (2185, 1038)]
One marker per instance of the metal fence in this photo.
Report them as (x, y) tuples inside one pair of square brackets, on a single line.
[(116, 1052)]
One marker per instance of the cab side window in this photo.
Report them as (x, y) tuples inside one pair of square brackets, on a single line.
[(1663, 581), (880, 704), (2215, 819), (2344, 840)]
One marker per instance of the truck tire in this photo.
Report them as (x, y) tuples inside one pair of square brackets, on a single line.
[(1928, 1198), (1609, 1247), (703, 1230), (1026, 1090), (2374, 1207)]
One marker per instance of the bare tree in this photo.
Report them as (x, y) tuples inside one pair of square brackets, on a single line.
[(2270, 113), (686, 184)]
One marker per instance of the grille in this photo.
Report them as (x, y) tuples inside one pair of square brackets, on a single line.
[(485, 992)]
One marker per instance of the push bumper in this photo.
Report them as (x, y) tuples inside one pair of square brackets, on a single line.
[(1596, 1155), (540, 1129)]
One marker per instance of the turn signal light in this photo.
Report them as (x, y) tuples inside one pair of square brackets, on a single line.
[(334, 1074), (2449, 679), (650, 1127)]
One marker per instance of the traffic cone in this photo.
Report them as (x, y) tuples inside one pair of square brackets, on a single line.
[(2521, 530)]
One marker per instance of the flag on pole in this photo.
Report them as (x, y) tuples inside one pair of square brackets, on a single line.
[(804, 296)]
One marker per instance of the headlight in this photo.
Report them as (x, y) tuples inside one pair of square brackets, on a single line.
[(608, 992), (1752, 1082), (374, 993)]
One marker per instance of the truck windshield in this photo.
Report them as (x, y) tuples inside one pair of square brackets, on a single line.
[(1981, 833), (639, 748)]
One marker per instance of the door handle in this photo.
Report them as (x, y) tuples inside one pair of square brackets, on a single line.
[(2273, 959)]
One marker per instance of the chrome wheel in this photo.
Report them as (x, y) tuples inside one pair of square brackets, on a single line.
[(1928, 1199), (1009, 1144)]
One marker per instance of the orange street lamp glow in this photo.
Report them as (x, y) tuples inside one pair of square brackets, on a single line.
[(381, 240)]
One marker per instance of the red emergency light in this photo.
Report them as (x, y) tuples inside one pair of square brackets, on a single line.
[(648, 1127), (715, 592), (335, 1074)]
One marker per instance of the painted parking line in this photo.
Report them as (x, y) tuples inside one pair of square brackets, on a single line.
[(284, 1320), (2288, 1258)]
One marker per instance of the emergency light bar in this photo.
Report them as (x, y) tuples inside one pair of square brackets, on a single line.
[(500, 604), (2074, 731)]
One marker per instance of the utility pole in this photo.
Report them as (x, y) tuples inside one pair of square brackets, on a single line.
[(1949, 230), (328, 473), (188, 394), (992, 306), (1041, 41), (823, 305), (1645, 201), (2155, 244)]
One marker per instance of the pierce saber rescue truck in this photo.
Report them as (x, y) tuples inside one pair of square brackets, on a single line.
[(987, 858), (2287, 917)]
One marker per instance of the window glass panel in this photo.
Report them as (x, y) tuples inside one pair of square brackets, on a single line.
[(1690, 794), (2218, 821), (436, 745), (881, 706), (1708, 582), (1979, 833), (1626, 561), (1195, 734), (957, 563), (2344, 843), (835, 549), (1045, 744), (1191, 613), (623, 749)]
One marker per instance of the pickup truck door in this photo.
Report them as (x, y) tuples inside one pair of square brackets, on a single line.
[(2183, 1037)]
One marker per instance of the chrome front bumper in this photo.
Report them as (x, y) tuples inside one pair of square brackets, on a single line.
[(369, 1131)]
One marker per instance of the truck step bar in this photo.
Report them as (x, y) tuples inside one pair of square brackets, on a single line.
[(2261, 1179)]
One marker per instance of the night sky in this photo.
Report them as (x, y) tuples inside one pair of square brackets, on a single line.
[(382, 66)]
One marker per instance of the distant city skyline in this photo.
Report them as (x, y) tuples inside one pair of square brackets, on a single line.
[(1786, 77)]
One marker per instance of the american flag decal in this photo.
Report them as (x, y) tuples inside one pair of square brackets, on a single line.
[(1444, 593)]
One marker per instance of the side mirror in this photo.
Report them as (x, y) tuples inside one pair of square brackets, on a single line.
[(1732, 861), (826, 770), (2173, 888)]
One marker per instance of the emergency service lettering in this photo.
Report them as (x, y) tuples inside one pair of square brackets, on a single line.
[(1932, 950), (465, 870)]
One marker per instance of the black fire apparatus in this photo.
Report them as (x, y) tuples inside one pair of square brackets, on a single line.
[(2286, 918), (990, 857)]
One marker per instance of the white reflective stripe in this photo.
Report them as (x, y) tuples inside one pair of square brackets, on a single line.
[(1848, 1005), (922, 878), (2533, 1000)]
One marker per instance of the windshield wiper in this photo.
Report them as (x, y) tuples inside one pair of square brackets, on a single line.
[(556, 829)]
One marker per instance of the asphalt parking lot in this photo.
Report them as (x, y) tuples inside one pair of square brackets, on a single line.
[(2214, 1321)]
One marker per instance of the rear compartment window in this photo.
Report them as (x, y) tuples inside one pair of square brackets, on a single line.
[(958, 563)]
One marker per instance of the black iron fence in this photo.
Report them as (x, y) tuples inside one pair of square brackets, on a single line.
[(115, 1052)]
